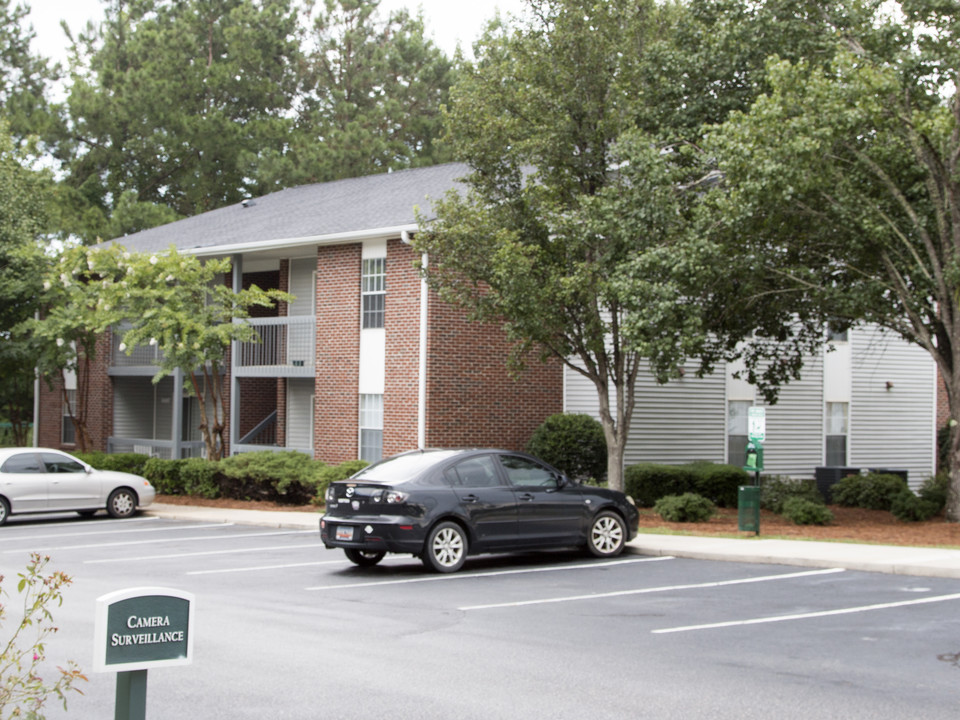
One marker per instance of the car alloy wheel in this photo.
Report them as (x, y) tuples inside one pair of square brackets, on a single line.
[(607, 535), (122, 503), (446, 548), (4, 511), (363, 558)]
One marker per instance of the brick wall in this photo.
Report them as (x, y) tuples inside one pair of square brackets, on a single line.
[(258, 398), (402, 329), (472, 399), (99, 404), (338, 349)]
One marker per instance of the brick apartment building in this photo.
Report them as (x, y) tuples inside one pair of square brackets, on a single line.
[(365, 362)]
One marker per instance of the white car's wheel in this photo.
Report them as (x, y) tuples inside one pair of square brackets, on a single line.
[(607, 536), (4, 510), (122, 503)]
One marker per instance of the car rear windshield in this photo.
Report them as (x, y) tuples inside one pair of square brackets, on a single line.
[(403, 467)]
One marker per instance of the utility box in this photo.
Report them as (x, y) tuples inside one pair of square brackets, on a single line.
[(748, 509)]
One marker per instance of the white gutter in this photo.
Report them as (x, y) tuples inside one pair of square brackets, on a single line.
[(283, 243), (422, 361)]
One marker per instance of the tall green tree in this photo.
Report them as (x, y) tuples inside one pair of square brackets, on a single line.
[(25, 76), (23, 222), (170, 105), (843, 185), (538, 119), (370, 97)]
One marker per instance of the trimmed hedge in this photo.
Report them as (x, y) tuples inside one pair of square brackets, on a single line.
[(688, 507), (803, 511), (776, 490), (648, 482), (873, 491), (909, 508), (120, 462), (574, 444)]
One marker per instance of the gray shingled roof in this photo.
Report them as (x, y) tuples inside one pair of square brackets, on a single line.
[(338, 208)]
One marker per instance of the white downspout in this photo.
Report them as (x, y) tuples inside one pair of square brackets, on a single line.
[(36, 399), (422, 360)]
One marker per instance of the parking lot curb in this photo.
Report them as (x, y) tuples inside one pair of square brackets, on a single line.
[(889, 559)]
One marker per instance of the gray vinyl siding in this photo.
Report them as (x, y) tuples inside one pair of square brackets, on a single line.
[(682, 421), (891, 428), (300, 414), (794, 425), (142, 409), (301, 285)]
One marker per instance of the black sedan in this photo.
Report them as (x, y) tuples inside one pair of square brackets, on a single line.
[(442, 505)]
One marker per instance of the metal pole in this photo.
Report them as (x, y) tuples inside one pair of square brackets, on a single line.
[(131, 695)]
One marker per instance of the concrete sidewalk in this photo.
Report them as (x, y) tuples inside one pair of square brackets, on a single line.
[(894, 559)]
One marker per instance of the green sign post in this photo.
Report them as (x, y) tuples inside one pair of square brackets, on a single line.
[(139, 629), (748, 501)]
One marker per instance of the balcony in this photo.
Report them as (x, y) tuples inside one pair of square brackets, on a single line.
[(287, 348)]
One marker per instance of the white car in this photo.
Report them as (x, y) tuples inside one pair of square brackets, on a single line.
[(41, 480)]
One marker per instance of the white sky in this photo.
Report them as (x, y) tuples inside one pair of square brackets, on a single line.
[(447, 21)]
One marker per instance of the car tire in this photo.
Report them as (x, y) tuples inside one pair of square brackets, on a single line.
[(607, 535), (4, 511), (446, 548), (122, 503), (86, 513), (363, 558)]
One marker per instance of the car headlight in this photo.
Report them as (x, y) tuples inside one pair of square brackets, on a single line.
[(631, 500)]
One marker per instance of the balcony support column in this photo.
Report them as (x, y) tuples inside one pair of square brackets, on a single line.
[(177, 412), (237, 261)]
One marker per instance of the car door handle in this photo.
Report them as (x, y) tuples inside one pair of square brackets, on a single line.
[(469, 498), (527, 496)]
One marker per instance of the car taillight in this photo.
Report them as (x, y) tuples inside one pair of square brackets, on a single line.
[(331, 494), (395, 496)]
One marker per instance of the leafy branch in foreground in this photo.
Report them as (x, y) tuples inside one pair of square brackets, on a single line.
[(23, 692)]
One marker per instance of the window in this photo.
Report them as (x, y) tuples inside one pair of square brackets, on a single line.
[(836, 334), (836, 432), (373, 290), (57, 463), (68, 434), (477, 472), (738, 431), (371, 427), (526, 473), (27, 462)]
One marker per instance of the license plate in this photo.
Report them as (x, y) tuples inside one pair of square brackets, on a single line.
[(345, 532)]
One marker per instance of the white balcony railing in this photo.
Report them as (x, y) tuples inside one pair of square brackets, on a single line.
[(286, 347)]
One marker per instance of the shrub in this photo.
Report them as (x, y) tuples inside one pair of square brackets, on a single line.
[(288, 477), (331, 473), (909, 508), (776, 490), (572, 443), (199, 476), (803, 511), (871, 492), (718, 483), (121, 462), (934, 489), (165, 475), (688, 507), (648, 482)]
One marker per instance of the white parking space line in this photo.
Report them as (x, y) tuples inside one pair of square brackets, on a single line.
[(232, 551), (644, 591), (12, 526), (154, 541), (495, 573), (258, 568), (806, 616), (165, 528)]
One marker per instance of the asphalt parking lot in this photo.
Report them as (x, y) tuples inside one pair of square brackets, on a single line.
[(287, 629)]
